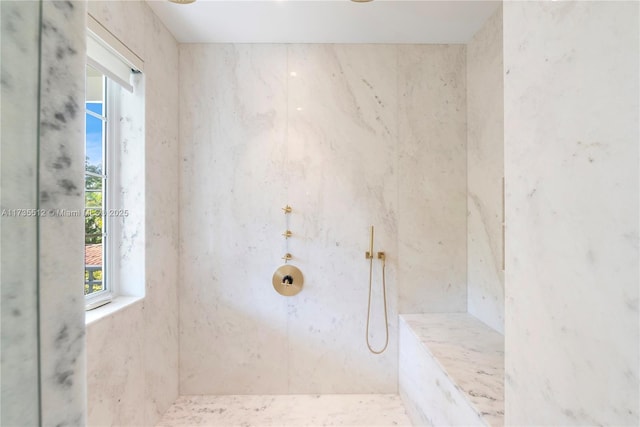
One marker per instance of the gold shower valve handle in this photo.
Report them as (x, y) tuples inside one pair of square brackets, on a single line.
[(287, 209), (287, 257), (287, 280), (287, 234)]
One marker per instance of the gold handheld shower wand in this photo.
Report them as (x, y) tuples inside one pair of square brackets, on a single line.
[(381, 256), (369, 253)]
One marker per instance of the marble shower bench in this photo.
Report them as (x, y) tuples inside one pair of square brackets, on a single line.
[(451, 370)]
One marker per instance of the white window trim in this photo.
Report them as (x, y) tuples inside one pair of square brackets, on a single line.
[(110, 202), (125, 287), (114, 201), (111, 43)]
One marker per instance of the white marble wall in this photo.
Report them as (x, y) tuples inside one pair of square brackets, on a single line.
[(162, 210), (18, 271), (232, 131), (56, 277), (131, 166), (341, 175), (571, 163), (315, 126), (485, 169), (432, 179), (144, 363), (61, 176), (116, 370)]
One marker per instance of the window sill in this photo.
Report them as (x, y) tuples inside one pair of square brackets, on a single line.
[(117, 304)]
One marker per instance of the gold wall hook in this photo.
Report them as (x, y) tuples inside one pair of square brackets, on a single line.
[(287, 209), (287, 234), (287, 257)]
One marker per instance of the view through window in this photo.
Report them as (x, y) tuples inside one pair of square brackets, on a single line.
[(95, 183)]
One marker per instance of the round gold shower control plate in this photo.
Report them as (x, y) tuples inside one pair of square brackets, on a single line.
[(288, 280)]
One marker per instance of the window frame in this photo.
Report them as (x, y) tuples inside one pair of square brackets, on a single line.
[(111, 227)]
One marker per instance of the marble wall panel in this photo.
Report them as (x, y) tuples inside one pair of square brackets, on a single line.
[(20, 29), (153, 342), (485, 169), (317, 127), (571, 164), (342, 168), (161, 222), (116, 370), (233, 325), (61, 231), (432, 178)]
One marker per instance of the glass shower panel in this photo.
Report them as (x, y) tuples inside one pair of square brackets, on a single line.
[(19, 140)]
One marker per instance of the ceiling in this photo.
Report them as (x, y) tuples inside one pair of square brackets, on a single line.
[(323, 21)]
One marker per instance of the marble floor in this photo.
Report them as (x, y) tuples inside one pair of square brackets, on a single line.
[(289, 410)]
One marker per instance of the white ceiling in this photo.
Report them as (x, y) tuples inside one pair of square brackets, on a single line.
[(324, 21)]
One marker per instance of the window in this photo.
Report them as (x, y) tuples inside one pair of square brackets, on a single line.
[(101, 184), (114, 170)]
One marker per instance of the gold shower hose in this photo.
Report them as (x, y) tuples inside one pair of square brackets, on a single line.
[(384, 297)]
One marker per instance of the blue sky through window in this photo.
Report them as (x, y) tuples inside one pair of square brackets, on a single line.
[(94, 134)]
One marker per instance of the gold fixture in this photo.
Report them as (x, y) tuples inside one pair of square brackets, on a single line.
[(287, 257), (381, 256), (287, 280), (369, 253)]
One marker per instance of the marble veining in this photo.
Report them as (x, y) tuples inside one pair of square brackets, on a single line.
[(571, 162), (341, 152), (432, 183), (233, 325), (342, 133), (470, 354), (115, 367), (368, 410), (485, 169), (62, 329), (138, 380), (18, 270), (131, 169), (162, 183)]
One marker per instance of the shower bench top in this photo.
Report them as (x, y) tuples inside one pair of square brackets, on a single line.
[(470, 353)]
